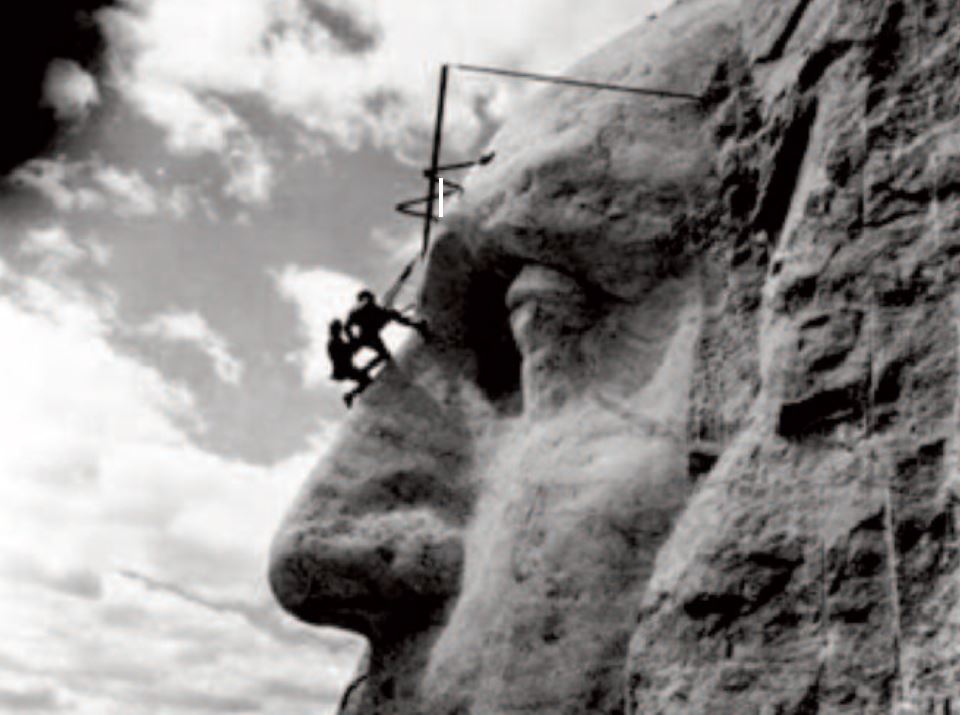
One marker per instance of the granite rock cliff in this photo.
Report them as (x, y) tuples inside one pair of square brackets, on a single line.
[(816, 568), (686, 437)]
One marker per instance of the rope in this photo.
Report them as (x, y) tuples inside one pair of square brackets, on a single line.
[(390, 295), (586, 84)]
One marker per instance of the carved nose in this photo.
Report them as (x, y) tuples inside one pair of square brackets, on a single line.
[(368, 573), (374, 541)]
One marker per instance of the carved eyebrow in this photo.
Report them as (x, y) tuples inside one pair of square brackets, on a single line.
[(536, 280), (588, 288), (600, 271)]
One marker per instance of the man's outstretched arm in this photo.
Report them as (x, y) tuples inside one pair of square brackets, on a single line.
[(398, 317)]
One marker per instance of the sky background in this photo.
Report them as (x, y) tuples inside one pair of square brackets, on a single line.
[(166, 276)]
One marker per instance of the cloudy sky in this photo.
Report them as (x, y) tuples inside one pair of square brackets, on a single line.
[(167, 270)]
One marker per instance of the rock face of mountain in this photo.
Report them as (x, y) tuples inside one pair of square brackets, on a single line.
[(684, 437)]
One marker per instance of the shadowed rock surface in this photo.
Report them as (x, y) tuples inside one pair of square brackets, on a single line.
[(685, 438)]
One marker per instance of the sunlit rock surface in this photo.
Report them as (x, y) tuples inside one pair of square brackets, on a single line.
[(684, 438)]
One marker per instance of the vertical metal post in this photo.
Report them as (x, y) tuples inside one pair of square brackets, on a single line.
[(434, 158)]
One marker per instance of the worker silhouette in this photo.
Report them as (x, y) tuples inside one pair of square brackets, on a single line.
[(368, 319), (342, 350)]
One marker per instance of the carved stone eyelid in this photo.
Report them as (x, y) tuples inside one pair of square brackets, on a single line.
[(536, 280)]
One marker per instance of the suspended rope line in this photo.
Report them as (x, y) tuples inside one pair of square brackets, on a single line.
[(423, 207), (390, 295), (586, 84)]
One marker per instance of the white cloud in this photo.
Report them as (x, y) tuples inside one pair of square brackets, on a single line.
[(59, 181), (180, 202), (321, 295), (55, 251), (338, 72), (348, 71), (129, 192), (178, 97), (251, 176), (194, 124), (193, 329), (93, 185), (100, 253), (73, 581), (70, 90), (400, 244), (101, 479), (52, 244)]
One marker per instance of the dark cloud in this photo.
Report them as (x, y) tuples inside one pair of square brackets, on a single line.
[(195, 702), (13, 665), (381, 101), (82, 584), (32, 700), (33, 33), (348, 30), (79, 583)]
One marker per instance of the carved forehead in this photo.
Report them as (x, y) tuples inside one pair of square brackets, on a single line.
[(578, 171)]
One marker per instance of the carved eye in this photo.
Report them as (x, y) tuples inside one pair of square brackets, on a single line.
[(552, 316), (546, 306)]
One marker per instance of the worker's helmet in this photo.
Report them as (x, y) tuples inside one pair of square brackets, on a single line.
[(365, 296), (335, 327)]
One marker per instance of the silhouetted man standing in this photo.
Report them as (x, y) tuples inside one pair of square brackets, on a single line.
[(368, 319)]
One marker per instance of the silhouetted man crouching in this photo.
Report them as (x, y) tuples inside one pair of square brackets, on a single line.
[(341, 350)]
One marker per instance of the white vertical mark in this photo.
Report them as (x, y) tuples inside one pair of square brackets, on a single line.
[(440, 179)]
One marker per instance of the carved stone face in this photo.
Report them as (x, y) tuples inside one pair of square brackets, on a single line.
[(494, 504)]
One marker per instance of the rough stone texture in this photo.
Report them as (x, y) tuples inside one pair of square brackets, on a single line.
[(685, 438)]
